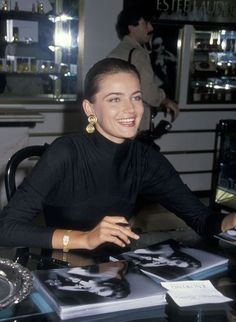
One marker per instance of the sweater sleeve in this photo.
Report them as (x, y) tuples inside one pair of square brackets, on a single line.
[(17, 227), (152, 94), (161, 182)]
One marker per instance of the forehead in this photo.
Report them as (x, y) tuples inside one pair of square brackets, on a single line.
[(119, 79), (142, 21)]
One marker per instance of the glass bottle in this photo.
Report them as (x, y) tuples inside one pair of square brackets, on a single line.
[(15, 34), (219, 95), (228, 95), (196, 93), (5, 6), (40, 8), (16, 6)]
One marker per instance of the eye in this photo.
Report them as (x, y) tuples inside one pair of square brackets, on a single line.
[(114, 99), (137, 98)]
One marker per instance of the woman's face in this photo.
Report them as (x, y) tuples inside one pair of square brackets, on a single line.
[(118, 106)]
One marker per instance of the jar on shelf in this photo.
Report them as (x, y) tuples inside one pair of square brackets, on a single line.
[(51, 67), (33, 65), (40, 8), (228, 95), (19, 65), (43, 66), (9, 66), (196, 93), (25, 65), (15, 34), (219, 95)]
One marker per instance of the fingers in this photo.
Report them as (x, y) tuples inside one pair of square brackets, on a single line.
[(172, 109), (119, 226), (111, 229)]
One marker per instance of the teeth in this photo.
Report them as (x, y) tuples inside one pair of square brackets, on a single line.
[(129, 120)]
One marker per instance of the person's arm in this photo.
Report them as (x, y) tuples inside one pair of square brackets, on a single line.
[(17, 226), (110, 229), (162, 183), (171, 108), (151, 93)]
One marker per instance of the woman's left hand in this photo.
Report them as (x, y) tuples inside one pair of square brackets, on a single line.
[(229, 222)]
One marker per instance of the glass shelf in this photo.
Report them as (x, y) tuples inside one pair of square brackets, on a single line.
[(39, 52), (212, 77)]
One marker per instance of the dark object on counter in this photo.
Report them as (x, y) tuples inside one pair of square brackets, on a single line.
[(149, 136)]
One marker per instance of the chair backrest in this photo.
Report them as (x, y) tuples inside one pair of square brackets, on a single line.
[(224, 167), (13, 163)]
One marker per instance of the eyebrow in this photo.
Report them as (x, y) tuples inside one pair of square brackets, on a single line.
[(120, 93)]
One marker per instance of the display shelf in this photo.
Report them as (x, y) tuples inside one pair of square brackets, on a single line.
[(23, 15), (38, 52), (212, 76)]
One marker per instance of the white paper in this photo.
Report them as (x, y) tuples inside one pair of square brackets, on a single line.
[(187, 293)]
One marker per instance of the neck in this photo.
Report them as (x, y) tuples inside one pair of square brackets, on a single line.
[(135, 38)]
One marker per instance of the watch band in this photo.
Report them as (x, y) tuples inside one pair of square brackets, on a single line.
[(65, 241)]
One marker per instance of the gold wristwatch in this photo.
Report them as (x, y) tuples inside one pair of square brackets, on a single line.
[(65, 241)]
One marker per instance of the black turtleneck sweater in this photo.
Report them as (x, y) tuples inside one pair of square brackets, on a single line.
[(81, 178)]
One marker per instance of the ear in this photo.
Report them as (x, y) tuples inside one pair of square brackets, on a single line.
[(88, 107), (130, 29)]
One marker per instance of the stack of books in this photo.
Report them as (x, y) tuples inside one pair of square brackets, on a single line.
[(124, 283), (171, 260), (98, 289)]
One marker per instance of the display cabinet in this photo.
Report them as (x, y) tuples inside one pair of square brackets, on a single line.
[(212, 78), (39, 50), (206, 75)]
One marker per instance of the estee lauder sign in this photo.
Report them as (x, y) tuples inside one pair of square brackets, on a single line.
[(198, 10)]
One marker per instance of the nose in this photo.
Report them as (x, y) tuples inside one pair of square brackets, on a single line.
[(150, 27), (129, 106)]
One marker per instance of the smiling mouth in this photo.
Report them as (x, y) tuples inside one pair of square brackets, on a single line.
[(127, 121)]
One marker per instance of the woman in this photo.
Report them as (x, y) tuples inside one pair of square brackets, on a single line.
[(104, 279), (87, 185)]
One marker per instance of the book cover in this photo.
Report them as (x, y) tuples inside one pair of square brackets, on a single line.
[(229, 236), (98, 289), (171, 260)]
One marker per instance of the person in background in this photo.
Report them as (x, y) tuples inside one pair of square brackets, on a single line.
[(88, 184), (135, 30)]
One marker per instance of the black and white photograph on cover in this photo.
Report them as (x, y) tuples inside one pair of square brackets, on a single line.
[(167, 259), (164, 56), (104, 281), (97, 289), (171, 260)]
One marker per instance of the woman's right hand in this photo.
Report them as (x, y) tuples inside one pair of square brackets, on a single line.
[(112, 229)]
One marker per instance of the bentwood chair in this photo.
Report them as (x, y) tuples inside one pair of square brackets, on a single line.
[(13, 163)]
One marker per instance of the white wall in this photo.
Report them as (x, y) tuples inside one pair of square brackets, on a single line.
[(99, 30)]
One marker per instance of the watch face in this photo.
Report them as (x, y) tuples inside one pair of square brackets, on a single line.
[(66, 240)]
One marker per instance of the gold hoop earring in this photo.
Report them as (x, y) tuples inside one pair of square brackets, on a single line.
[(90, 128)]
